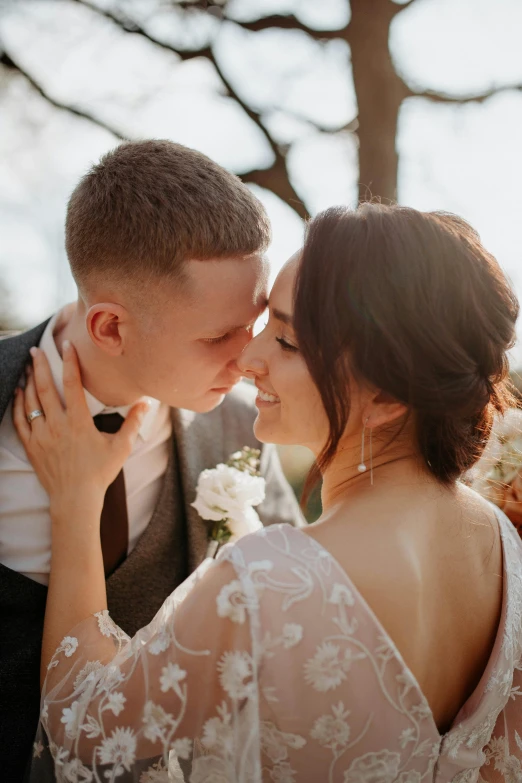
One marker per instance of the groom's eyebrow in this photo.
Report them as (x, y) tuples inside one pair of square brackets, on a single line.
[(284, 317), (230, 329)]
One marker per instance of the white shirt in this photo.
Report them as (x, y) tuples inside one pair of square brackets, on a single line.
[(25, 524)]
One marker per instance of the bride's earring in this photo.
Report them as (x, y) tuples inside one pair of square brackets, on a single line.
[(361, 467), (371, 458)]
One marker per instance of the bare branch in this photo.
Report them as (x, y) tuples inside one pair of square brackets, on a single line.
[(399, 7), (189, 55), (214, 7), (277, 181), (274, 178), (479, 97), (289, 22), (348, 127), (7, 61), (129, 25), (118, 16)]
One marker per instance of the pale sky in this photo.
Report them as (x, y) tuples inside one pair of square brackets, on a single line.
[(463, 159)]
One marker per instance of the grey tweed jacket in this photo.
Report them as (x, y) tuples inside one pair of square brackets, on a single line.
[(171, 547)]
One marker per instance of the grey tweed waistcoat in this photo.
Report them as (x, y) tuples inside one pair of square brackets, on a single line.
[(171, 547)]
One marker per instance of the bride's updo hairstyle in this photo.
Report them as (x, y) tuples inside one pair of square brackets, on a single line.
[(411, 303)]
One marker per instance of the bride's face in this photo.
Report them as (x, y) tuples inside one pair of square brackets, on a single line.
[(289, 404)]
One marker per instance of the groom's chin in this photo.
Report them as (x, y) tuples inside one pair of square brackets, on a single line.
[(207, 403)]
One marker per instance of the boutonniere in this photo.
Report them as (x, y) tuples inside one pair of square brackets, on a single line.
[(226, 496)]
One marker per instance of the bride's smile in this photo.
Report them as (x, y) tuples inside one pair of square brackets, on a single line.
[(289, 405)]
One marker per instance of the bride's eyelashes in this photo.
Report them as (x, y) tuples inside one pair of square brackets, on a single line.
[(286, 346)]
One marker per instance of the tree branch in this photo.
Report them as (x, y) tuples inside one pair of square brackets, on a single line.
[(7, 61), (347, 127), (277, 181), (399, 7), (274, 178), (289, 22), (207, 52), (479, 97), (129, 25), (188, 55)]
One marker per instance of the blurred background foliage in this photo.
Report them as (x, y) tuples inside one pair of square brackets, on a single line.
[(310, 102)]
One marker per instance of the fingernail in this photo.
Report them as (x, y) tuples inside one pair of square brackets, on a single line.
[(33, 351), (66, 346)]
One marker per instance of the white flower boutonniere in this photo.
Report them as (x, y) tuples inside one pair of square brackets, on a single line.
[(226, 495)]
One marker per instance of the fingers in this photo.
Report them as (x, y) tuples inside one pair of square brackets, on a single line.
[(32, 401), (48, 398), (125, 438), (74, 395), (20, 422)]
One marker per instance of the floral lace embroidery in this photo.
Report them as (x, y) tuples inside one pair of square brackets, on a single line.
[(284, 613)]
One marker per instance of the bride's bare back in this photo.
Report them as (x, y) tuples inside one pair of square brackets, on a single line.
[(429, 565)]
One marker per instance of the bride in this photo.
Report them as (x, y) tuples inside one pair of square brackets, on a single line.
[(382, 643)]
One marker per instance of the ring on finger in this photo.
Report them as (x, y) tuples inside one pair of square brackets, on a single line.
[(34, 415)]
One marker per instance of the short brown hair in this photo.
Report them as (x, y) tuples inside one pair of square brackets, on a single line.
[(148, 206), (412, 303)]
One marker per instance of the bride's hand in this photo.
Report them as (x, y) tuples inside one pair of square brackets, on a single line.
[(73, 461)]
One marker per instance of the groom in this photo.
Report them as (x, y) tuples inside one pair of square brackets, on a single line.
[(166, 249)]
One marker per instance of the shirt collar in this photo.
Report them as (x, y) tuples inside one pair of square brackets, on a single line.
[(48, 346)]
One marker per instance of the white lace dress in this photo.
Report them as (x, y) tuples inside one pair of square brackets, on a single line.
[(267, 665)]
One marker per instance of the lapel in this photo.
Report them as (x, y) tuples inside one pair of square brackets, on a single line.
[(199, 441), (14, 354)]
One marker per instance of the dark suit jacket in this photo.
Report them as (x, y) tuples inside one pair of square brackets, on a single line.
[(172, 546)]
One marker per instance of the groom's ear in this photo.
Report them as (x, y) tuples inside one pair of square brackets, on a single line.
[(105, 323)]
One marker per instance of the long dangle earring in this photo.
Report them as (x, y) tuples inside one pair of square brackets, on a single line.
[(361, 467), (371, 458)]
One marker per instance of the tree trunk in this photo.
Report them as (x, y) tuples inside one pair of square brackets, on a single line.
[(380, 92)]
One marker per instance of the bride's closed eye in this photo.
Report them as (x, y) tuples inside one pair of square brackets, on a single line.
[(286, 346)]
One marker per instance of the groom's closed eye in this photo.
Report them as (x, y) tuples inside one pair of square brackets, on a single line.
[(227, 335), (217, 340)]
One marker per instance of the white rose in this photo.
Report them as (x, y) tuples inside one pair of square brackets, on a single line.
[(228, 493), (248, 523)]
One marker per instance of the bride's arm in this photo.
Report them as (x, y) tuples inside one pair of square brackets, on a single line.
[(75, 464), (77, 579)]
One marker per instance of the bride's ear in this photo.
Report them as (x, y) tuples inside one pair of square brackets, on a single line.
[(384, 409), (105, 323)]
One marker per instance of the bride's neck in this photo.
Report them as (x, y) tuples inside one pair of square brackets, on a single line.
[(395, 465)]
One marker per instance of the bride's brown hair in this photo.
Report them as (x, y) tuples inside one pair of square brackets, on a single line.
[(412, 303)]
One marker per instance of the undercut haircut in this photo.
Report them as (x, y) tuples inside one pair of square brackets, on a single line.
[(149, 206)]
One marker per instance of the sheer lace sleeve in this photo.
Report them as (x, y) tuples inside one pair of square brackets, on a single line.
[(115, 708), (265, 666), (504, 750), (268, 665)]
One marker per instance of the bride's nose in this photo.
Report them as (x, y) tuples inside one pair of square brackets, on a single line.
[(250, 362)]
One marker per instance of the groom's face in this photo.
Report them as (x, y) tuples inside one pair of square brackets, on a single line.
[(184, 351)]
